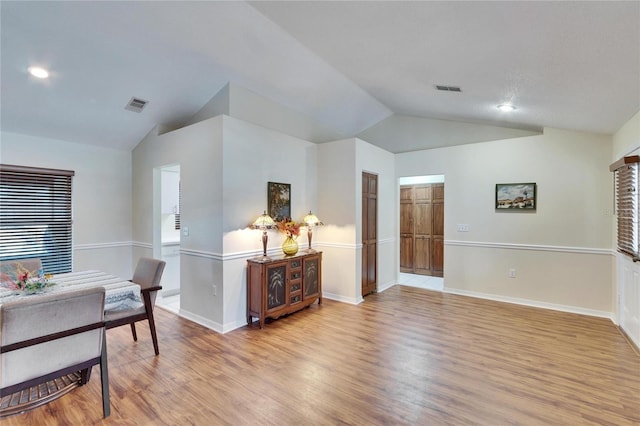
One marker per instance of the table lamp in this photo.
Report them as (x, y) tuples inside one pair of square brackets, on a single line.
[(264, 222), (310, 221)]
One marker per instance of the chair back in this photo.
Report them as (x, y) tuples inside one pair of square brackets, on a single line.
[(148, 273), (32, 317), (12, 269)]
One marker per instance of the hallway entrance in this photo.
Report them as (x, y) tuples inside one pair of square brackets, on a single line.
[(422, 227)]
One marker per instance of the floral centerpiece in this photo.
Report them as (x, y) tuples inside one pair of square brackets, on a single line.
[(289, 227), (29, 282), (292, 230)]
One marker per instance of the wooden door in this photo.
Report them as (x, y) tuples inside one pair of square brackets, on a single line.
[(369, 232), (422, 229), (406, 229), (437, 246)]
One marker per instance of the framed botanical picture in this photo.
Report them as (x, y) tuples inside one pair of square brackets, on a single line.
[(516, 196), (279, 200)]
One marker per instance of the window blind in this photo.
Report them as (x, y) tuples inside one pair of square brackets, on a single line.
[(35, 216), (626, 178)]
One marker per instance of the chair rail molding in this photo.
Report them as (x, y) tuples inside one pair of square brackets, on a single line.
[(114, 244), (532, 247)]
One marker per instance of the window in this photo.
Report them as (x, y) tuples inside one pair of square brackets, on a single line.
[(626, 174), (35, 216)]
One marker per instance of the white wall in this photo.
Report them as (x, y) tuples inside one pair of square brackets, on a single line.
[(561, 252), (253, 156), (627, 276), (340, 167), (225, 164), (371, 159), (236, 101), (101, 196), (627, 138), (198, 150), (403, 133)]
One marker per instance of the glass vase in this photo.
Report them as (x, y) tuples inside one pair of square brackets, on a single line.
[(290, 246)]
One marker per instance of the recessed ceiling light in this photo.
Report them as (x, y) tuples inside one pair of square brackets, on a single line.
[(506, 107), (38, 72)]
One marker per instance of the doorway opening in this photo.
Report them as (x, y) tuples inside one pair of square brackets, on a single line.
[(422, 232), (169, 233)]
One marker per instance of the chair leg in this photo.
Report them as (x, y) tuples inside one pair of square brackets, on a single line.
[(133, 331), (85, 375), (104, 377), (154, 337), (152, 325)]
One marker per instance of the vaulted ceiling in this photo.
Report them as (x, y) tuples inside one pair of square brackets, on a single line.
[(348, 65)]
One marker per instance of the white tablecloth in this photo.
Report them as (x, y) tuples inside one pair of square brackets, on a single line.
[(119, 294)]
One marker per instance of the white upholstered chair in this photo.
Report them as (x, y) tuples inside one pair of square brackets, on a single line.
[(47, 336), (148, 274)]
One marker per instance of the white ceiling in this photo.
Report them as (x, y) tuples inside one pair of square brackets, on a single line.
[(572, 65)]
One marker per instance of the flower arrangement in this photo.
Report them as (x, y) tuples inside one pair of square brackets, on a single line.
[(289, 227), (28, 282)]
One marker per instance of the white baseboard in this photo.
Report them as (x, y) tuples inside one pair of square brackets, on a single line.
[(212, 325), (169, 293), (230, 326), (385, 286), (533, 303), (338, 298)]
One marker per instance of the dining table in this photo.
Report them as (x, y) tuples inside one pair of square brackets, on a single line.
[(120, 294)]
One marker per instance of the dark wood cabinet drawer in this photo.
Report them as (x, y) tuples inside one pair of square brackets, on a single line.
[(297, 298)]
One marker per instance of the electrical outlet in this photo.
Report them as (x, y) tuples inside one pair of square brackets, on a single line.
[(463, 227), (185, 231), (512, 273)]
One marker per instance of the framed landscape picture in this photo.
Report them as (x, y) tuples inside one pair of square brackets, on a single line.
[(279, 200), (516, 196)]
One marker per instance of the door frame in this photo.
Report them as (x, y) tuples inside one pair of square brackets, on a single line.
[(157, 217), (413, 180)]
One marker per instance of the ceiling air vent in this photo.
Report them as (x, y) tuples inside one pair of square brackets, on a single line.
[(136, 104), (448, 88)]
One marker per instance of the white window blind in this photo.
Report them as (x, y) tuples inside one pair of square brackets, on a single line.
[(35, 216), (626, 174)]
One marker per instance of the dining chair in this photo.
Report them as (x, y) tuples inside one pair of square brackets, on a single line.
[(148, 274), (46, 337)]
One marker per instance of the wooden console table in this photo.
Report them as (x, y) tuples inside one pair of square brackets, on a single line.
[(282, 285)]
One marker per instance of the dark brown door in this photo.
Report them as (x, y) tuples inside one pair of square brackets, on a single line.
[(369, 232), (406, 229), (437, 246), (422, 229)]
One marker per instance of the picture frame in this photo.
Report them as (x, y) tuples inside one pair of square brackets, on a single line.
[(516, 196), (279, 200)]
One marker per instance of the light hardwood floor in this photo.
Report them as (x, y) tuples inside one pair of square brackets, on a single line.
[(405, 356)]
